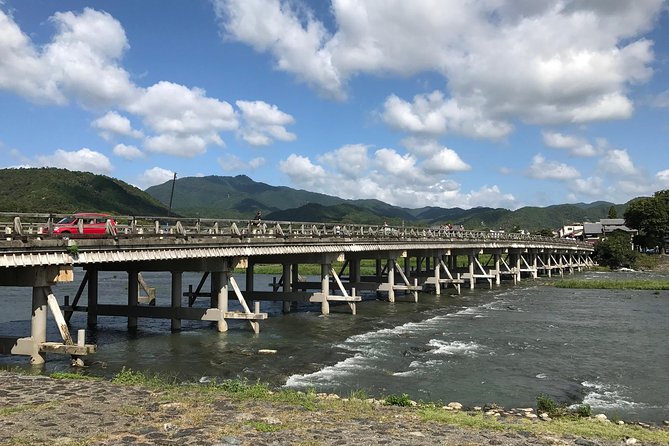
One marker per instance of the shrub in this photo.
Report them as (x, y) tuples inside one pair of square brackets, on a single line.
[(396, 400), (546, 404), (583, 410)]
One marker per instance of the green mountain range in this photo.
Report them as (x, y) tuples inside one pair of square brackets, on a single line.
[(241, 197), (63, 191)]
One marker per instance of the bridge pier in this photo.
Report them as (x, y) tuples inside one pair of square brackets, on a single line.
[(133, 298), (176, 289)]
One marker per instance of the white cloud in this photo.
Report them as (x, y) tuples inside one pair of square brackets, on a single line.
[(81, 61), (84, 160), (617, 162), (350, 160), (128, 152), (155, 175), (296, 40), (263, 123), (661, 100), (551, 170), (186, 146), (543, 62), (433, 115), (575, 145), (113, 124), (663, 178), (232, 163), (445, 161)]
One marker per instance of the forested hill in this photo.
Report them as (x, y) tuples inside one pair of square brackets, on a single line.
[(63, 191), (241, 197)]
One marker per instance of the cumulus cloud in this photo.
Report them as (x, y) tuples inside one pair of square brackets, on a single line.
[(389, 176), (572, 61), (81, 62), (263, 123), (663, 178), (617, 162), (84, 159), (128, 152), (232, 163), (155, 175), (445, 161), (543, 169), (112, 125), (574, 145)]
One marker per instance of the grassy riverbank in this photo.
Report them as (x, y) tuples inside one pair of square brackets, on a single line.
[(200, 400), (621, 284)]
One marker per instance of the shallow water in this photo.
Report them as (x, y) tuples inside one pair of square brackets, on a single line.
[(507, 345)]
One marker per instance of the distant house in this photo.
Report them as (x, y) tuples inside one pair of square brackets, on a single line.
[(594, 231), (574, 230)]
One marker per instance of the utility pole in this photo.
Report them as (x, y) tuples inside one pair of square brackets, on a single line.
[(174, 180)]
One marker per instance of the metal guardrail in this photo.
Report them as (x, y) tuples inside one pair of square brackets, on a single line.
[(33, 226)]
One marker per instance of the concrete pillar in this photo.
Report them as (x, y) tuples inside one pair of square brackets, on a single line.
[(535, 264), (249, 275), (498, 279), (472, 279), (548, 264), (176, 298), (133, 294), (219, 280), (354, 270), (391, 280), (295, 276), (92, 297), (378, 270), (407, 266), (286, 286), (437, 276), (325, 287), (38, 324)]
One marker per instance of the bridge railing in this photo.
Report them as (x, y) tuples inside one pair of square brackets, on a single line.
[(25, 226)]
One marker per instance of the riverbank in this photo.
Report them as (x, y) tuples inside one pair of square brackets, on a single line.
[(132, 410)]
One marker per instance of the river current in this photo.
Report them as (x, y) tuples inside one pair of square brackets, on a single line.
[(507, 345)]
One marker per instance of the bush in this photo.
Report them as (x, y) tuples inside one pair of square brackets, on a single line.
[(395, 400), (546, 404), (583, 410)]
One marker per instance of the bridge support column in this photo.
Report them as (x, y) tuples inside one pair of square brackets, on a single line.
[(498, 276), (325, 287), (176, 298), (219, 287), (548, 265), (38, 325), (472, 279), (437, 276), (249, 276), (92, 297), (535, 264), (287, 281), (391, 280), (133, 298)]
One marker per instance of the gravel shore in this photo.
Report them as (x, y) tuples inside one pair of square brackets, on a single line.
[(38, 410)]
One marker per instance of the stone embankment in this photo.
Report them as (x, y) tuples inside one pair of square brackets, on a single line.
[(38, 410)]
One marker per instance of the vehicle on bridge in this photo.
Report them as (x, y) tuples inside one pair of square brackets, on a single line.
[(86, 223)]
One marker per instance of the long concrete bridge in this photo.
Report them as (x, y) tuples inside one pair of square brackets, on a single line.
[(398, 262)]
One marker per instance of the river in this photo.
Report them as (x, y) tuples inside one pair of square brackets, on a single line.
[(507, 345)]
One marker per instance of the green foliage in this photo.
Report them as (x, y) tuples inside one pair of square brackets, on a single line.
[(613, 284), (583, 410), (651, 217), (613, 213), (546, 404), (131, 377), (80, 376), (73, 249), (62, 191), (262, 426), (398, 400), (615, 250)]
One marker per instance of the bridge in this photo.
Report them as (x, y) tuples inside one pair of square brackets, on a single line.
[(397, 262)]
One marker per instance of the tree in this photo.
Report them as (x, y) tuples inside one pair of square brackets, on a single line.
[(612, 212), (651, 217), (615, 250)]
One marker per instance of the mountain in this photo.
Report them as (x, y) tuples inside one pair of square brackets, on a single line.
[(241, 197), (63, 191), (233, 197)]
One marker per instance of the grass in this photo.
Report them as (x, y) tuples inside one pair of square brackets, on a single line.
[(566, 426), (614, 284), (68, 375)]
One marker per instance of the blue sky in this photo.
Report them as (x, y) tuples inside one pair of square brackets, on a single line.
[(500, 103)]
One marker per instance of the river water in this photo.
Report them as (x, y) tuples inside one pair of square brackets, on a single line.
[(608, 349)]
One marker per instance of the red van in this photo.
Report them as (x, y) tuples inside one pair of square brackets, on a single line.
[(92, 223)]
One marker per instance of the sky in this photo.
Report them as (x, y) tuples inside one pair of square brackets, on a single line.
[(450, 103)]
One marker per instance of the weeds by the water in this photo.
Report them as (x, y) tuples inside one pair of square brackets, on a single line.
[(575, 422), (614, 284), (69, 375)]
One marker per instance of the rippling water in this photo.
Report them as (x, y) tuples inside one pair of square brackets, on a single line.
[(507, 345)]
